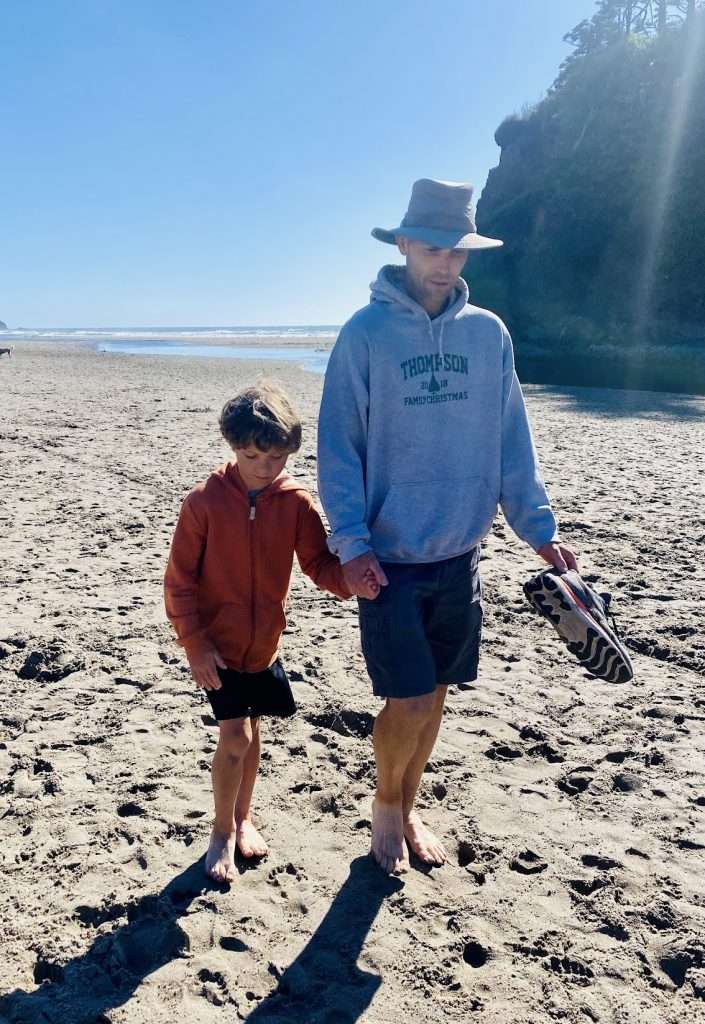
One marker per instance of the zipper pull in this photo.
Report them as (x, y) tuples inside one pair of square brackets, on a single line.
[(252, 511)]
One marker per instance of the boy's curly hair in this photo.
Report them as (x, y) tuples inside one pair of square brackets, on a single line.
[(261, 416)]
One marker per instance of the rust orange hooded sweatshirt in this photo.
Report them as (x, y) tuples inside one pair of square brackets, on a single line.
[(227, 579)]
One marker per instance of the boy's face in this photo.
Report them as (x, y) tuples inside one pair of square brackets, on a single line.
[(259, 468)]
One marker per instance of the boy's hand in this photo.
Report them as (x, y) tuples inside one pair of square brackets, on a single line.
[(364, 576), (204, 669)]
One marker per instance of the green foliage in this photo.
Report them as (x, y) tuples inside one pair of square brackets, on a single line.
[(615, 19), (599, 198)]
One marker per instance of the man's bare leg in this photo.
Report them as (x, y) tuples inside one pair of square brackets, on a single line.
[(250, 843), (420, 838), (226, 772), (396, 734)]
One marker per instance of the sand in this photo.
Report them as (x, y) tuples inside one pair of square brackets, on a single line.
[(574, 811)]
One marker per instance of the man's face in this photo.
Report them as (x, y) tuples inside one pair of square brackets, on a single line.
[(259, 468), (431, 272)]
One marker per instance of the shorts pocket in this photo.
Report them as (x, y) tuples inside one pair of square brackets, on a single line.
[(374, 617)]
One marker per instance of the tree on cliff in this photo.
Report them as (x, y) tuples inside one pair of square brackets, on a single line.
[(598, 193), (615, 19)]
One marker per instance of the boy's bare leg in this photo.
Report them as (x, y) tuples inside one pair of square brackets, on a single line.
[(420, 838), (226, 772), (250, 843), (396, 736)]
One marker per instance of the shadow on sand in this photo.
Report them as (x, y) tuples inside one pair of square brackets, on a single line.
[(107, 974), (322, 985)]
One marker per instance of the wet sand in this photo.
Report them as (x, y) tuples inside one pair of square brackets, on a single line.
[(574, 811)]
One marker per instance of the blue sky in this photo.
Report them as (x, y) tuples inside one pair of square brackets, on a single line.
[(178, 163)]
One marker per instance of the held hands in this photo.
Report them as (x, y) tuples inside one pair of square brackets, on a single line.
[(204, 666), (364, 576), (559, 555)]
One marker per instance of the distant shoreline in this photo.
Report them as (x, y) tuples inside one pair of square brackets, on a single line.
[(312, 334), (678, 369)]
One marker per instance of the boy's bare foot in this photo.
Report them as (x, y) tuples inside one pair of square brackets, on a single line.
[(388, 847), (423, 842), (220, 859), (249, 842)]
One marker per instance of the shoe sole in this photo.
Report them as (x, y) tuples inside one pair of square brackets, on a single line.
[(595, 649)]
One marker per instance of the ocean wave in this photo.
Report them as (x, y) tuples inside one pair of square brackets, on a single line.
[(168, 333)]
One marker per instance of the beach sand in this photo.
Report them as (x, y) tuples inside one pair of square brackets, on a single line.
[(573, 811)]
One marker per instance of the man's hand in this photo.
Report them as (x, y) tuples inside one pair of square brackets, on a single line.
[(559, 555), (204, 668), (364, 576)]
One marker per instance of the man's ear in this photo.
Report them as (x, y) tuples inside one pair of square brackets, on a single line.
[(402, 244)]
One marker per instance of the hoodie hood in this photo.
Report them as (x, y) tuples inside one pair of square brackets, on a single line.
[(390, 286), (229, 474)]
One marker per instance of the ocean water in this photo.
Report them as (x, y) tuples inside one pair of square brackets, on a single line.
[(223, 342), (165, 334), (312, 359)]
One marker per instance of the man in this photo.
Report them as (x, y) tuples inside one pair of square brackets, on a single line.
[(422, 433)]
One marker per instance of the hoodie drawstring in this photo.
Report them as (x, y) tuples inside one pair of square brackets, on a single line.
[(440, 335)]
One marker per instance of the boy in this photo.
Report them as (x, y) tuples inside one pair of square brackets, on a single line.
[(225, 588)]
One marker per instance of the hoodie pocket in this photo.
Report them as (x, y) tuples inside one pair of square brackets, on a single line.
[(431, 520), (230, 631)]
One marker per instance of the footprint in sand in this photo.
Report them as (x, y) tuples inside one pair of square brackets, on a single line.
[(131, 810), (594, 860), (573, 784), (587, 886), (93, 917), (147, 789), (614, 930), (573, 970), (661, 916), (532, 732), (285, 869), (570, 968), (214, 988), (476, 860), (502, 752), (527, 863), (626, 782), (618, 756), (546, 751)]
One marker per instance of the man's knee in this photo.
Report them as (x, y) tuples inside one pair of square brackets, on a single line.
[(413, 709), (235, 738)]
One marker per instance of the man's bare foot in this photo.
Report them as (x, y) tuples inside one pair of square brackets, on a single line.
[(220, 859), (423, 842), (249, 842), (388, 847)]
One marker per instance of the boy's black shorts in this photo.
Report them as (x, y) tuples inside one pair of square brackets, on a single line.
[(251, 694), (424, 628)]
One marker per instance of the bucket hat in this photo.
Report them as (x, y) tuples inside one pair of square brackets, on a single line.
[(440, 213)]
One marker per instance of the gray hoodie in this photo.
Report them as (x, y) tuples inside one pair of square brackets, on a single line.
[(423, 432)]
